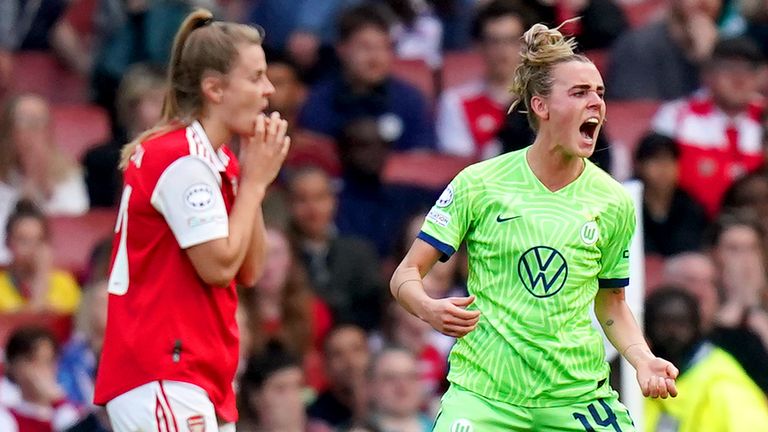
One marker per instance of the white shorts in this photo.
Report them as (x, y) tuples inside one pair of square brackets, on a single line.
[(165, 406)]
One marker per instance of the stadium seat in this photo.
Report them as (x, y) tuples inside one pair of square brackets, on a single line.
[(42, 73), (311, 149), (78, 127), (429, 170), (627, 122), (75, 237), (418, 74), (460, 67)]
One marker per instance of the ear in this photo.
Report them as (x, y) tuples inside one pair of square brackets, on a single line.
[(212, 86), (540, 107)]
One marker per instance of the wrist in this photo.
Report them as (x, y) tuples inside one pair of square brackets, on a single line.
[(637, 353), (254, 187)]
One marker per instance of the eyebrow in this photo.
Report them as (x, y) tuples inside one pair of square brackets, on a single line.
[(587, 87)]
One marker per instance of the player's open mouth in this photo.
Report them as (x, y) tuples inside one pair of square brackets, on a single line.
[(589, 128)]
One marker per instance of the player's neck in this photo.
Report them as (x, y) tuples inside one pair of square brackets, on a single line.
[(217, 133), (552, 167)]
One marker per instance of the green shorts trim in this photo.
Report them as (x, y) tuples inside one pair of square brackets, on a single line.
[(465, 411)]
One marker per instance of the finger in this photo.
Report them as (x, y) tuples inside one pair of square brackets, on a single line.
[(286, 147), (671, 387), (656, 390), (663, 393), (462, 313), (261, 126), (462, 301), (452, 320), (645, 388), (274, 121), (282, 129), (672, 371)]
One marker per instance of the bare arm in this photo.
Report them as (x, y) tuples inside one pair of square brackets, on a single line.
[(656, 376), (448, 315), (219, 261), (66, 43)]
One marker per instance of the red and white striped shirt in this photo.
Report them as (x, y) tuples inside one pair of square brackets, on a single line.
[(715, 149)]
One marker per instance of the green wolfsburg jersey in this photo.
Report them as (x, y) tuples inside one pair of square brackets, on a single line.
[(536, 261)]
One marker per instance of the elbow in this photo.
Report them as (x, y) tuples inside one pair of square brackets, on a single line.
[(219, 277), (248, 277)]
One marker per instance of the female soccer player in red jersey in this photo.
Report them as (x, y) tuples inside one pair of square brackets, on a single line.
[(189, 223)]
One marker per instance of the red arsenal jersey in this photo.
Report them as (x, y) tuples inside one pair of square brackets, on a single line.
[(715, 149), (164, 322)]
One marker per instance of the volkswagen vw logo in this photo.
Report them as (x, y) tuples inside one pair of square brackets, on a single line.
[(543, 271)]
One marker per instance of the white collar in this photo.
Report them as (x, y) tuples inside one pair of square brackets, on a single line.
[(218, 158)]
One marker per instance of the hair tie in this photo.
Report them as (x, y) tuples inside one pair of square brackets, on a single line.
[(204, 23)]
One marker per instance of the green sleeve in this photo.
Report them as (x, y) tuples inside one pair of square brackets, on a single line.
[(450, 218), (614, 271)]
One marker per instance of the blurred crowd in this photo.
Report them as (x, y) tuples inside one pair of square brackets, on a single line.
[(386, 101)]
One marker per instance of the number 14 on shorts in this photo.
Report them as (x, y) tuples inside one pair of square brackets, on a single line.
[(608, 421)]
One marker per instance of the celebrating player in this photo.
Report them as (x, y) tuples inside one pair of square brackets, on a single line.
[(547, 233), (189, 223)]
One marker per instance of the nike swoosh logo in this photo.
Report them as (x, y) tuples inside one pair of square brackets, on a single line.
[(501, 219)]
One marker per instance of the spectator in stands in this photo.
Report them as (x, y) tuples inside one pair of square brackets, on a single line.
[(416, 31), (33, 164), (347, 359), (736, 243), (281, 307), (31, 365), (661, 60), (38, 26), (600, 23), (402, 329), (396, 394), (343, 270), (368, 207), (290, 92), (31, 283), (715, 394), (469, 116), (695, 273), (271, 393), (304, 29), (718, 129), (77, 362), (749, 194), (366, 87), (672, 221), (139, 107), (129, 32)]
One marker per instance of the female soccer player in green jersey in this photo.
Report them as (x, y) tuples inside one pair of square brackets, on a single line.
[(548, 234)]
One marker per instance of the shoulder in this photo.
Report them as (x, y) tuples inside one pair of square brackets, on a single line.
[(399, 90), (605, 187), (507, 163)]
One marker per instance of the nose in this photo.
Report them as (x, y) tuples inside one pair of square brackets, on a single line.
[(269, 90), (595, 101)]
